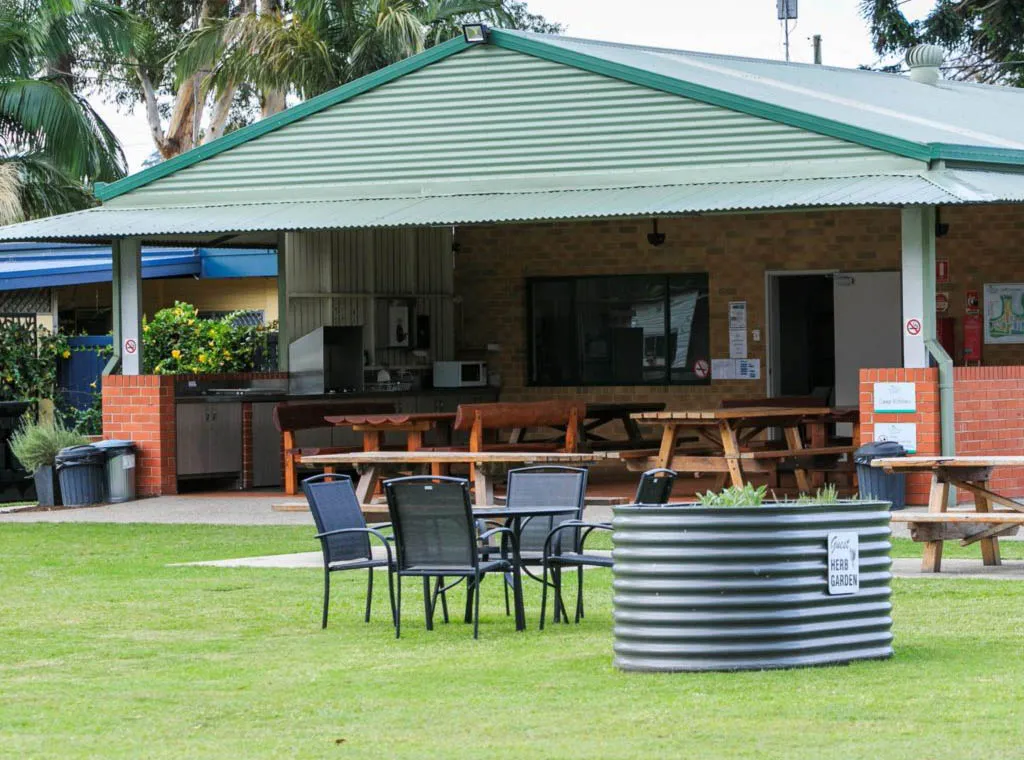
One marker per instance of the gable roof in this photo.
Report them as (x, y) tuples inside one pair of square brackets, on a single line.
[(887, 112)]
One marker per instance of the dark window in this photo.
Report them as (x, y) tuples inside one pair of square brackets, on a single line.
[(619, 330)]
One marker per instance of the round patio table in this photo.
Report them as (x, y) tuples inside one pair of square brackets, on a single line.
[(515, 518)]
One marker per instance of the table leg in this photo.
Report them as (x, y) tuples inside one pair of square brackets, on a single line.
[(668, 444), (367, 484), (819, 440), (731, 449), (795, 443), (931, 562), (517, 577), (632, 428), (414, 440), (483, 487), (989, 546), (371, 440)]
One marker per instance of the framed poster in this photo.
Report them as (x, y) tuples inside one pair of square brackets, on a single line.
[(1004, 313)]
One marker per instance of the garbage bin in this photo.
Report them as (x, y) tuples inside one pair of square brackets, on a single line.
[(82, 480), (120, 466), (875, 483)]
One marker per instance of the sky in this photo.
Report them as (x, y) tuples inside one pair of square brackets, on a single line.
[(738, 27)]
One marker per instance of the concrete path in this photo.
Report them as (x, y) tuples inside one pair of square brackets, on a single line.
[(1010, 570)]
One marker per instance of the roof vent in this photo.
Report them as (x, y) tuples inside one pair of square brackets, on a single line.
[(924, 62)]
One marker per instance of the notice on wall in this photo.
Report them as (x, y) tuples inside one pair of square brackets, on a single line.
[(748, 369), (843, 563), (903, 433), (895, 398), (736, 369), (737, 344), (1004, 313), (737, 315), (723, 369)]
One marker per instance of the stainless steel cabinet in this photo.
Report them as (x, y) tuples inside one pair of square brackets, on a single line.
[(209, 439)]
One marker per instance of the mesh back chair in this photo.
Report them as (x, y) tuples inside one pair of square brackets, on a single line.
[(547, 486), (344, 535), (435, 537), (655, 487)]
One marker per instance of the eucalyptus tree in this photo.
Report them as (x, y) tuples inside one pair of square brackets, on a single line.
[(52, 143), (984, 37)]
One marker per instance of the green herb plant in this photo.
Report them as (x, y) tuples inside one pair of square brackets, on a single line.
[(747, 496), (35, 444)]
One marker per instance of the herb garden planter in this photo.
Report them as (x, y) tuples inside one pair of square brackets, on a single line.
[(747, 588)]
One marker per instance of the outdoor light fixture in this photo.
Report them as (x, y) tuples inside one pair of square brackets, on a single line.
[(474, 33), (654, 237)]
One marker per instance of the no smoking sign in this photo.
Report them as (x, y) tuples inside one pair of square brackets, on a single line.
[(130, 346), (913, 327)]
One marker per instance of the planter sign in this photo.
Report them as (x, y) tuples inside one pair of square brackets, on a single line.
[(895, 398), (843, 563)]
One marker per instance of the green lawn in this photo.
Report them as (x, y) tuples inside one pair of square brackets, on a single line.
[(106, 652)]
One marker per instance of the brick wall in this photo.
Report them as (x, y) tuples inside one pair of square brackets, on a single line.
[(989, 418), (736, 251), (926, 417), (142, 409)]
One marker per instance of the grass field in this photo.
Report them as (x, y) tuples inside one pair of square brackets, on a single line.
[(107, 652)]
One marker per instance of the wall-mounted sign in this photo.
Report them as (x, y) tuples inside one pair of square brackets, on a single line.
[(903, 433), (941, 303), (1004, 313), (895, 398), (972, 303), (941, 271), (843, 563)]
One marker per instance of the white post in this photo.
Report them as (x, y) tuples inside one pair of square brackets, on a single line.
[(918, 276), (128, 287)]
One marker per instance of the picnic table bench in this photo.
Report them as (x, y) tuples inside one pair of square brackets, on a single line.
[(369, 465), (724, 441), (984, 525)]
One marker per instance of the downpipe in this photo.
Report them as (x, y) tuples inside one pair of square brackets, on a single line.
[(947, 428)]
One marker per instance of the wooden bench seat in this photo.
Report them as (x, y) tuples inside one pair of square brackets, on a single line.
[(291, 417), (772, 453), (967, 527)]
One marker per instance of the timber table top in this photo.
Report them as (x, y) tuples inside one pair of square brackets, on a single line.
[(938, 462), (460, 457), (733, 413)]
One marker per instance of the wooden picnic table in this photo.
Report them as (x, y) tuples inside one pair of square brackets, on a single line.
[(370, 463), (600, 413), (984, 525), (374, 426), (728, 432)]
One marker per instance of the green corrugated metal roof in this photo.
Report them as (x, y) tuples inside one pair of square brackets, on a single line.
[(880, 111), (925, 188)]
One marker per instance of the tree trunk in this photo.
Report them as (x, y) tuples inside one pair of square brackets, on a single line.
[(271, 102), (180, 135), (219, 117)]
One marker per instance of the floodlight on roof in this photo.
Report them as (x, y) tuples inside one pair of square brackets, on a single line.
[(474, 33)]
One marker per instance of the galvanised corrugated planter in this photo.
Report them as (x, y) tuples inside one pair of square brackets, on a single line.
[(725, 588)]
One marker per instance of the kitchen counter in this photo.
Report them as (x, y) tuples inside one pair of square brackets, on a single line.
[(276, 397)]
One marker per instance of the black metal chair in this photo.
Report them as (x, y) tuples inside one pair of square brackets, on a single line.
[(546, 486), (436, 537), (655, 488), (345, 536)]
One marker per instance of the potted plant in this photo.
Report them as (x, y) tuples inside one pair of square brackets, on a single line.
[(35, 445), (732, 582)]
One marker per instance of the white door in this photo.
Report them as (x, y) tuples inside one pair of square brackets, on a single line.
[(868, 328)]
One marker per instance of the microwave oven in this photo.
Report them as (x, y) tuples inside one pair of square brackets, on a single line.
[(460, 374)]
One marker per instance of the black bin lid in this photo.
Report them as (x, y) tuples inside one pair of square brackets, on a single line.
[(79, 455), (878, 450)]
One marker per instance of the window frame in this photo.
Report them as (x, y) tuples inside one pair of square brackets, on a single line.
[(666, 381)]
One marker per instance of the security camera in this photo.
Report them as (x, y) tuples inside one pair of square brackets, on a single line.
[(654, 237)]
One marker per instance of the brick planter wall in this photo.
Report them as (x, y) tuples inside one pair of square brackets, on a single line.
[(926, 417), (989, 418), (142, 409)]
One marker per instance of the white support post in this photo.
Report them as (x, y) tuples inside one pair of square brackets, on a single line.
[(128, 319), (283, 337), (918, 276)]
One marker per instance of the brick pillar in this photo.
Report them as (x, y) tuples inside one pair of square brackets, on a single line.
[(926, 417), (141, 408)]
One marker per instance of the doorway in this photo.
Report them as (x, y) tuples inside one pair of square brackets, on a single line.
[(802, 335), (824, 327)]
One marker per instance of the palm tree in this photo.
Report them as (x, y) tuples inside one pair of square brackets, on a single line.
[(310, 46), (52, 143)]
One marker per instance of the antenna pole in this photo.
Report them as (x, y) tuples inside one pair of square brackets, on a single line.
[(817, 48), (785, 25)]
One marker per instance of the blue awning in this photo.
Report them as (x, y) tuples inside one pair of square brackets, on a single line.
[(49, 265)]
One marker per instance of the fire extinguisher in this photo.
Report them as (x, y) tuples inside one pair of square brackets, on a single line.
[(972, 339)]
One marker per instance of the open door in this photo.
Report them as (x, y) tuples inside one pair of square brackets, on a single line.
[(868, 328)]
